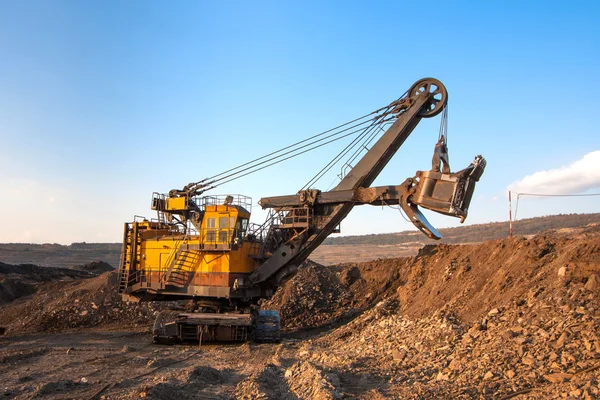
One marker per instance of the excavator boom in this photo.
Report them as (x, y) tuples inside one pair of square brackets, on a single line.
[(443, 193)]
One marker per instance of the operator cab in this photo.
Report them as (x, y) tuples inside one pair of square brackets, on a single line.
[(224, 222), (219, 221)]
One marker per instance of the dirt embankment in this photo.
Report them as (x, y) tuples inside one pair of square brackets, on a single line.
[(497, 320), (466, 280), (491, 320)]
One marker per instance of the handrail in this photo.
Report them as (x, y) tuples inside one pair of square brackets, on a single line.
[(172, 265), (171, 258)]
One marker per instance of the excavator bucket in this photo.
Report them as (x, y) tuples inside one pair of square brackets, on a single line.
[(448, 194)]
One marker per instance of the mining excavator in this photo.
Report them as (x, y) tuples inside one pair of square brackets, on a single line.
[(203, 248)]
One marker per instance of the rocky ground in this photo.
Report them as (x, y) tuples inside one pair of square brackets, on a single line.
[(511, 318)]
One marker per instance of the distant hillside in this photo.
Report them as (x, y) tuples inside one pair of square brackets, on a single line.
[(473, 233), (56, 255)]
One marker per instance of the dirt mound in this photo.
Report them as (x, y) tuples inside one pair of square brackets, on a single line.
[(546, 344), (465, 280), (83, 304), (489, 320), (11, 289), (94, 267), (303, 380), (23, 280), (470, 280), (268, 383), (313, 297), (191, 383), (60, 388), (318, 296), (42, 274)]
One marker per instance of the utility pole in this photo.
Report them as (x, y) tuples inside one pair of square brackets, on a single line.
[(509, 215)]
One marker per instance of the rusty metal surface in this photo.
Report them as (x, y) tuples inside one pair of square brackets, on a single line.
[(436, 93), (225, 319), (448, 194)]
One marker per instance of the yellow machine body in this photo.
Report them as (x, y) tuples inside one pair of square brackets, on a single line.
[(167, 263), (176, 204)]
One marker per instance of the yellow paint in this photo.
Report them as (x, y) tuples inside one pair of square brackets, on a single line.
[(158, 248), (156, 258), (176, 203)]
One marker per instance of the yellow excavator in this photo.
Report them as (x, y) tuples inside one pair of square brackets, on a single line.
[(202, 247)]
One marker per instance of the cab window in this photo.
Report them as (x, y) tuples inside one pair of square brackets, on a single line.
[(211, 225), (240, 228), (224, 229)]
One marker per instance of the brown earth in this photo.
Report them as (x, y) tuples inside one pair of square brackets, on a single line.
[(22, 280), (44, 299), (344, 253), (509, 318)]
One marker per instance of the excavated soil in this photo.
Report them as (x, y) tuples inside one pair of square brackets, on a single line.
[(22, 280), (59, 300), (511, 318)]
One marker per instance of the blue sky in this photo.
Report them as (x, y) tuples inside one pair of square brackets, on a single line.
[(102, 103)]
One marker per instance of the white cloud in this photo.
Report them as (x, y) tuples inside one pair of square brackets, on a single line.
[(574, 178)]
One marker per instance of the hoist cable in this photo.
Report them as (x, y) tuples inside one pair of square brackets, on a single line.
[(353, 157), (366, 143), (444, 125), (284, 159), (369, 138), (307, 145), (294, 145), (341, 154), (346, 150), (287, 153), (332, 162)]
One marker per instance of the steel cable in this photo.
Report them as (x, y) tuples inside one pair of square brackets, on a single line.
[(249, 163), (307, 145), (367, 142), (237, 176), (368, 139), (346, 150), (336, 159)]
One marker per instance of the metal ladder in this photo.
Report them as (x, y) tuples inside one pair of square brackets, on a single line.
[(179, 268), (128, 251)]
